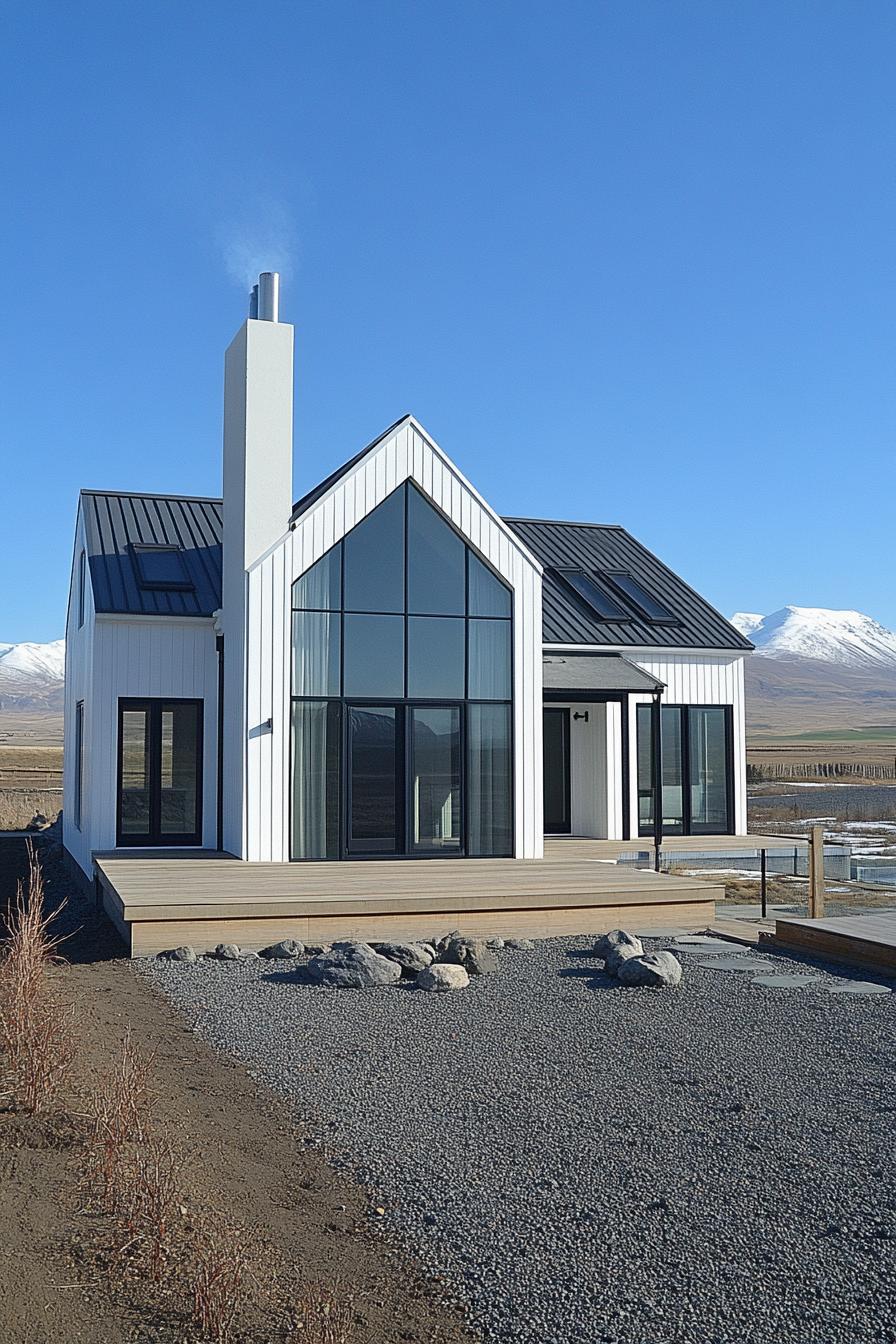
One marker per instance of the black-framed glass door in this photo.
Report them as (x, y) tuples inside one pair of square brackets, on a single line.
[(404, 779), (159, 772), (557, 782), (697, 770)]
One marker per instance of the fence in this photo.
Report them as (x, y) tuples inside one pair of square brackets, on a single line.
[(786, 770)]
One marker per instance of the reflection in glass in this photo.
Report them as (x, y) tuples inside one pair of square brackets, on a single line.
[(436, 581), (709, 773), (436, 658), (489, 671), (319, 587), (435, 778), (489, 781), (374, 559), (374, 655), (372, 763), (180, 769), (488, 595), (315, 653), (315, 779), (134, 766)]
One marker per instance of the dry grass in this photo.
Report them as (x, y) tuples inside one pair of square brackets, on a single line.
[(36, 1028), (19, 807), (223, 1272), (323, 1318), (120, 1107)]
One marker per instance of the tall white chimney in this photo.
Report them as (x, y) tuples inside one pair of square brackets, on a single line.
[(258, 399)]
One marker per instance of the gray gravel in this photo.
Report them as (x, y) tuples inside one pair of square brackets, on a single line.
[(710, 1165)]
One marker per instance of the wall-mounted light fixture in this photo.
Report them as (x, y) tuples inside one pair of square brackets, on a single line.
[(583, 715)]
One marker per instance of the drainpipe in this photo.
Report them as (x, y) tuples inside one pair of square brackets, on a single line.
[(656, 724)]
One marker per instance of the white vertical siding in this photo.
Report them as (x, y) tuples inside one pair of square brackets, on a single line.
[(696, 679), (78, 687), (407, 454), (154, 657)]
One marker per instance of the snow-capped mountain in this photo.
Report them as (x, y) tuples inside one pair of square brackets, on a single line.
[(847, 638), (32, 674)]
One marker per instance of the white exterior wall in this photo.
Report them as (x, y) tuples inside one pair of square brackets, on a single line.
[(78, 686), (695, 679), (595, 769), (407, 454)]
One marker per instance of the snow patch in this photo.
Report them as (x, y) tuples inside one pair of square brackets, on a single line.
[(848, 638)]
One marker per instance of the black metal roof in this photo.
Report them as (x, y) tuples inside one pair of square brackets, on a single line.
[(567, 619), (321, 489), (115, 521)]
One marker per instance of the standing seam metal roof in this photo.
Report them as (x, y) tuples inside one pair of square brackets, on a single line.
[(114, 521), (566, 619)]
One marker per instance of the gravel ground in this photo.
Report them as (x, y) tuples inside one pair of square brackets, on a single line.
[(582, 1162)]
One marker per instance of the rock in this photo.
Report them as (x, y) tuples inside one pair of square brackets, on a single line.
[(178, 954), (316, 949), (473, 954), (519, 944), (617, 938), (495, 944), (411, 957), (227, 952), (441, 944), (617, 956), (442, 977), (656, 968), (286, 949), (39, 823), (353, 966)]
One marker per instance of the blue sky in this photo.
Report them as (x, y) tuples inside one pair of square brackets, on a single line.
[(628, 262)]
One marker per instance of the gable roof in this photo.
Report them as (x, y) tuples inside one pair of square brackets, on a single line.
[(113, 522), (318, 491), (596, 547)]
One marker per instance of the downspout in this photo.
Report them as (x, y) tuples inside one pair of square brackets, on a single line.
[(656, 722), (219, 646)]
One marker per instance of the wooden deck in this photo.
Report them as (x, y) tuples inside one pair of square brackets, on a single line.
[(858, 940), (157, 903)]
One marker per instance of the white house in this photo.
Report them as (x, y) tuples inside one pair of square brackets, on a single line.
[(386, 667)]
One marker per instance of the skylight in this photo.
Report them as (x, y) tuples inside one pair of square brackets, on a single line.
[(649, 606), (596, 594), (161, 567)]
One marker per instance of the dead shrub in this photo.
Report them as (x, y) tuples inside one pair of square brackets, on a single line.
[(120, 1107), (149, 1205), (322, 1317), (222, 1277), (36, 1027)]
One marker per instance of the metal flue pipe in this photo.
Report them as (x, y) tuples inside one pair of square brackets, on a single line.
[(269, 296)]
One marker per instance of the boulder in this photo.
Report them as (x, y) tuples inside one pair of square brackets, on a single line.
[(316, 949), (411, 957), (654, 969), (284, 950), (442, 944), (474, 954), (617, 938), (353, 966), (519, 944), (227, 952), (617, 956), (442, 977), (495, 944), (178, 954)]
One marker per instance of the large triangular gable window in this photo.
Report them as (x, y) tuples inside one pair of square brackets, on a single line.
[(403, 633)]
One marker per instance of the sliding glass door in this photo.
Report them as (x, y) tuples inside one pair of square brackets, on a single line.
[(696, 776), (159, 772)]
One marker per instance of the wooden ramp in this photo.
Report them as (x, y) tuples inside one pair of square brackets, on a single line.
[(157, 903), (858, 940)]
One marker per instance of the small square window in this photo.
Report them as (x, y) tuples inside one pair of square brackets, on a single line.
[(160, 566)]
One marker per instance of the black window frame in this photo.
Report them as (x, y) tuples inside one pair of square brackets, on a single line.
[(405, 703), (566, 574), (686, 782), (612, 575), (140, 548), (155, 838)]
